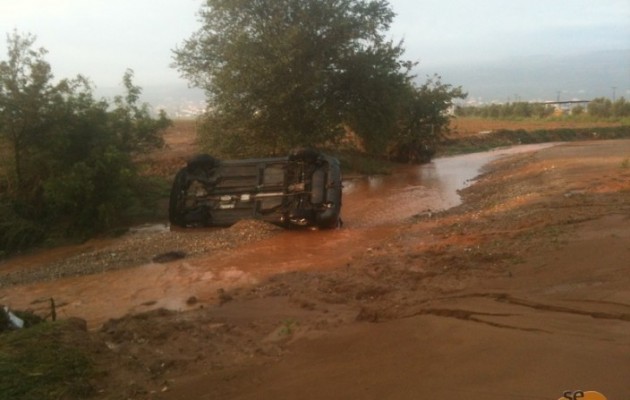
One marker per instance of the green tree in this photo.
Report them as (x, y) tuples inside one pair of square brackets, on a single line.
[(423, 120), (283, 73), (577, 110), (25, 93), (620, 108), (132, 121), (377, 92), (72, 155), (600, 107)]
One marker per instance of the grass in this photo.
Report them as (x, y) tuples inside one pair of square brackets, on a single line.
[(44, 362), (465, 126), (505, 137)]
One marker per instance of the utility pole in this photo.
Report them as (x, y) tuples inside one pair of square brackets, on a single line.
[(614, 89)]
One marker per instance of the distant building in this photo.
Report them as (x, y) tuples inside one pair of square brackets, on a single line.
[(565, 107)]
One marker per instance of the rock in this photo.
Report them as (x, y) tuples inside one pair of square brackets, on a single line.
[(169, 256)]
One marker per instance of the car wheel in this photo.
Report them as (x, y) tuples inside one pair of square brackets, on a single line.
[(304, 154), (201, 163), (176, 199)]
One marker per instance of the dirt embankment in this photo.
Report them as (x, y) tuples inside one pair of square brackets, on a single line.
[(520, 292)]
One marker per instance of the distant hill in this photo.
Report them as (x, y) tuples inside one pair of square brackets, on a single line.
[(177, 99), (536, 78), (582, 76)]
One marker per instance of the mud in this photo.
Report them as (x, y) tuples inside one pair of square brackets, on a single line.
[(520, 291), (105, 279)]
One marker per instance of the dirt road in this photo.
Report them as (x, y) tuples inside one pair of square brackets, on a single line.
[(521, 292)]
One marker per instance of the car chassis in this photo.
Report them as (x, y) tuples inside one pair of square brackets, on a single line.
[(300, 190)]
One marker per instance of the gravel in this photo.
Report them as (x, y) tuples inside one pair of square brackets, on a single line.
[(141, 245)]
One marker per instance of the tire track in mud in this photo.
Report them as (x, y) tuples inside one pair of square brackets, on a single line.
[(467, 315), (603, 302), (505, 298)]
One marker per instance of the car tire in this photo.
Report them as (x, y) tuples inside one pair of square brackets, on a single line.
[(304, 154), (176, 197), (201, 162)]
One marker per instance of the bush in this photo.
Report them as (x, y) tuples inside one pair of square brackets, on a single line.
[(71, 165), (506, 137), (16, 232)]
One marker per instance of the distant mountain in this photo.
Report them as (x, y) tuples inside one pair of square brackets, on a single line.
[(539, 78), (535, 78)]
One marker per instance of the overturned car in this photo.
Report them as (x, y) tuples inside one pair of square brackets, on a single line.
[(302, 189)]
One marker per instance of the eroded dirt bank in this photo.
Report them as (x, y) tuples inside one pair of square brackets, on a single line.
[(521, 292)]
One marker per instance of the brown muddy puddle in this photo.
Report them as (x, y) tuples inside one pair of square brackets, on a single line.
[(372, 209)]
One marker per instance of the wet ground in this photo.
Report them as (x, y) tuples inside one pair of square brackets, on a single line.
[(519, 292), (373, 207)]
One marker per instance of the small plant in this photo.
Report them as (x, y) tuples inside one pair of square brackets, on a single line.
[(288, 327), (625, 163)]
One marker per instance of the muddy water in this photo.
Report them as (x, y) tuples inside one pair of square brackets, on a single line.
[(372, 209)]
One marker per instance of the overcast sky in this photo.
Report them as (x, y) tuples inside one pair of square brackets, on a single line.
[(102, 38)]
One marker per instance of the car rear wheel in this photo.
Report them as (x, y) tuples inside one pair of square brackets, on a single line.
[(304, 154), (200, 170), (177, 199)]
